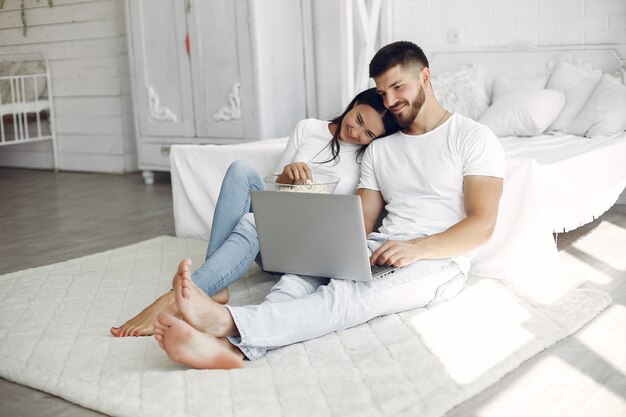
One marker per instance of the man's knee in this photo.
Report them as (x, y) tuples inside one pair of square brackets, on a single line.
[(288, 287), (341, 296)]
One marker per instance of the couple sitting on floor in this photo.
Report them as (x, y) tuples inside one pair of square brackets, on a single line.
[(439, 178)]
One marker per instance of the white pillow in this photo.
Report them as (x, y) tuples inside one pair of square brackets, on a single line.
[(604, 114), (577, 82), (461, 90), (503, 85), (524, 112)]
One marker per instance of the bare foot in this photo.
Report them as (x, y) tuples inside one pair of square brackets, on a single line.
[(200, 310), (188, 346), (142, 323)]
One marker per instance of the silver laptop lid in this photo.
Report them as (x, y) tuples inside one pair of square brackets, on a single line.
[(312, 234)]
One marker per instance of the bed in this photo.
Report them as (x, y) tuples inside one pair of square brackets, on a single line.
[(555, 181)]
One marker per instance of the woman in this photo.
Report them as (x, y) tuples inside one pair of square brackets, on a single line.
[(315, 147)]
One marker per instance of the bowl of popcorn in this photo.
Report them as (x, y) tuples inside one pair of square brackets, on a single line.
[(323, 184)]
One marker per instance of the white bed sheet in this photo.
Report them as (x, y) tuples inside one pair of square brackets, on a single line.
[(582, 177), (197, 173), (553, 183)]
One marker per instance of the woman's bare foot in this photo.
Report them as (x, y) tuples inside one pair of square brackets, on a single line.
[(188, 346), (200, 310), (143, 323)]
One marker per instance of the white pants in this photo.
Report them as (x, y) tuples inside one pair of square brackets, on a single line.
[(301, 308)]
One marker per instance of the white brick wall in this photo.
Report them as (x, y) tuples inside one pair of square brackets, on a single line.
[(585, 23), (617, 22), (561, 8), (491, 23)]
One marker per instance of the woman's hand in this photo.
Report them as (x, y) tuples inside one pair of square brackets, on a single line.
[(295, 173)]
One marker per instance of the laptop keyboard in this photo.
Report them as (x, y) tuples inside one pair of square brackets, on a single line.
[(379, 271)]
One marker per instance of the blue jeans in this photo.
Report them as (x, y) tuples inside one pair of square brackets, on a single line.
[(234, 243)]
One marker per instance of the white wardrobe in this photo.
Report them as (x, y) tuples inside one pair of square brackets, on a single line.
[(215, 71)]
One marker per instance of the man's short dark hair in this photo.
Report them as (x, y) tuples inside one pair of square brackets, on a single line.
[(403, 53)]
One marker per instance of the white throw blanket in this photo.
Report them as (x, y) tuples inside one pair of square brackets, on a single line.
[(54, 336)]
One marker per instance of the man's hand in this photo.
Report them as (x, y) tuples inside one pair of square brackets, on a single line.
[(295, 173), (397, 253)]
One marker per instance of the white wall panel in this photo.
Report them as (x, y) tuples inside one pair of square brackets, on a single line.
[(86, 45), (43, 16)]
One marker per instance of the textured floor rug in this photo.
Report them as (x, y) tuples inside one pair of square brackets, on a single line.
[(54, 337)]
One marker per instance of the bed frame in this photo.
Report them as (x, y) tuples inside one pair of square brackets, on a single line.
[(23, 121), (521, 60)]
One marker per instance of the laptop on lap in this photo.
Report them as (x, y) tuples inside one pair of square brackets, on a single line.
[(314, 234)]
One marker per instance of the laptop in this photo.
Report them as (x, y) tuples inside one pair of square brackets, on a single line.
[(314, 234)]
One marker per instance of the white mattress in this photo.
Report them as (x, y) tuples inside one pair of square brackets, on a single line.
[(26, 107)]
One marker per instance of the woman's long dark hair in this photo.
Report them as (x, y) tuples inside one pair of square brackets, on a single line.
[(371, 98)]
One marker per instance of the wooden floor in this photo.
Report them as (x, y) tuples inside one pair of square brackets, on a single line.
[(50, 217), (61, 216)]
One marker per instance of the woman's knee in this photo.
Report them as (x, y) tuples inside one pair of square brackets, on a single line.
[(243, 171)]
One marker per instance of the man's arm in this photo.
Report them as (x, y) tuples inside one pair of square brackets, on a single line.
[(372, 203), (481, 199)]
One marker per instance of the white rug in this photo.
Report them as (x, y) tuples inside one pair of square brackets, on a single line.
[(54, 336)]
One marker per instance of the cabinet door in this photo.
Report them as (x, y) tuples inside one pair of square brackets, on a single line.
[(223, 95), (161, 69)]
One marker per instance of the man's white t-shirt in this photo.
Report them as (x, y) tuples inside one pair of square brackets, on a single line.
[(309, 143), (421, 176)]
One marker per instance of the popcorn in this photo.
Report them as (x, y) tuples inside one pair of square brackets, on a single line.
[(308, 187), (321, 184)]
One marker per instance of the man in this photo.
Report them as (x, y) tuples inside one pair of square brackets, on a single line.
[(440, 181)]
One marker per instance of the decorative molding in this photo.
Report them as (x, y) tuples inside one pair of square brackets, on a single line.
[(157, 112), (231, 111)]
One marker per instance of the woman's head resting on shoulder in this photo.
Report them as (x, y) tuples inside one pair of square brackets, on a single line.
[(364, 119)]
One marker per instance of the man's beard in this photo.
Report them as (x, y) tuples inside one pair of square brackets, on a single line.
[(405, 119)]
